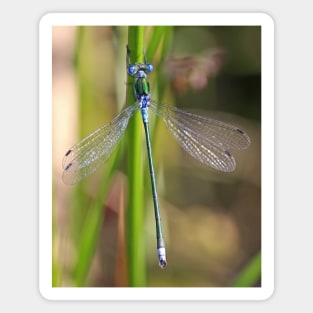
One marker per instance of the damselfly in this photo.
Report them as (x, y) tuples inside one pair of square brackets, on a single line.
[(206, 139)]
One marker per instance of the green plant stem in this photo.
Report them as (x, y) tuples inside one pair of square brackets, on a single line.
[(250, 275), (88, 217), (135, 210), (92, 224)]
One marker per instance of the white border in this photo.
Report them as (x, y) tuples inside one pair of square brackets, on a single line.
[(45, 156)]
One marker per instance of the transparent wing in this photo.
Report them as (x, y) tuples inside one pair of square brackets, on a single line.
[(87, 155), (206, 139)]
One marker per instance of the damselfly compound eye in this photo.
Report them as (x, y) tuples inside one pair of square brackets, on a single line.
[(131, 69), (149, 67)]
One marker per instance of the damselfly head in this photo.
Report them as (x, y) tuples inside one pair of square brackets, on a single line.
[(133, 69)]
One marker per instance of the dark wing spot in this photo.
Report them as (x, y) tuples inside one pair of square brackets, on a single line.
[(68, 166), (68, 152), (228, 153), (240, 131)]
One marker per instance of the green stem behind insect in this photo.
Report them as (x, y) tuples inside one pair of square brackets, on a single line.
[(135, 210)]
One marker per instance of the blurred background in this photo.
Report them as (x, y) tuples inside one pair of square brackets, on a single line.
[(211, 220)]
